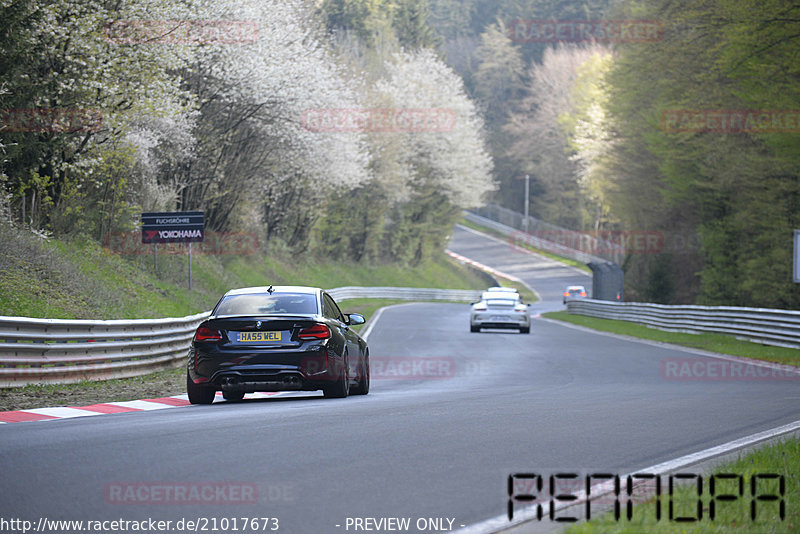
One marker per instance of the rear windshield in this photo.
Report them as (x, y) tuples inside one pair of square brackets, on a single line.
[(499, 295), (266, 304), (501, 302)]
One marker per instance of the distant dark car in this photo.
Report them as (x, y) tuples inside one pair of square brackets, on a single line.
[(574, 292), (282, 338)]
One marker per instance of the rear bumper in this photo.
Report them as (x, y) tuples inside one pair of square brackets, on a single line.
[(281, 371), (522, 321), (500, 325), (252, 380)]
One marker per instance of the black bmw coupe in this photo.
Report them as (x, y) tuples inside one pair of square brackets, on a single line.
[(282, 338)]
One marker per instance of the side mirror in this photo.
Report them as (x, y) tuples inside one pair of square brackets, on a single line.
[(355, 318)]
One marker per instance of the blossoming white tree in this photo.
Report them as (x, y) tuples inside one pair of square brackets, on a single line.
[(452, 156), (197, 118), (252, 99)]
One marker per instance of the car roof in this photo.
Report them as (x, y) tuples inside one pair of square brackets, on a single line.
[(275, 289), (576, 287), (503, 289)]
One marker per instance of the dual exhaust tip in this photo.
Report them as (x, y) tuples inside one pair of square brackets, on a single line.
[(233, 382)]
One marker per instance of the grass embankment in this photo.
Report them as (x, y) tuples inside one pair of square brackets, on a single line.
[(722, 343), (494, 233), (781, 458), (79, 279)]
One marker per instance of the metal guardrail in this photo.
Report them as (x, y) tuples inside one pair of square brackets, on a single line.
[(518, 237), (404, 293), (58, 351), (546, 236), (761, 325)]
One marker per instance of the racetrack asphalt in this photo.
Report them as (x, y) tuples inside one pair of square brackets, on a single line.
[(451, 414)]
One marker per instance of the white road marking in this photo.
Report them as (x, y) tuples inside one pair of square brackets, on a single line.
[(62, 412), (490, 270), (525, 251), (374, 319), (143, 405), (372, 322)]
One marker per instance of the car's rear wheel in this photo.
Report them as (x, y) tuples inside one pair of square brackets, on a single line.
[(341, 388), (474, 328), (362, 388), (199, 394), (525, 330), (233, 396)]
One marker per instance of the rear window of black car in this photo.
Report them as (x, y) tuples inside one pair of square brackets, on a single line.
[(266, 304)]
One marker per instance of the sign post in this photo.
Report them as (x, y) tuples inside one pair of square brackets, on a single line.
[(796, 270), (527, 202), (173, 227), (190, 265)]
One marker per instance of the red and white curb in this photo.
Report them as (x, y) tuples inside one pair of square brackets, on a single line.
[(105, 408), (482, 267), (490, 270)]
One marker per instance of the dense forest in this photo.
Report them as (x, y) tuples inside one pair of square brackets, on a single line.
[(631, 134), (691, 131), (111, 108)]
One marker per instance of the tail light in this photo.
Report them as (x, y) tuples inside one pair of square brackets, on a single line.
[(318, 331), (566, 293), (520, 308), (205, 334), (583, 293)]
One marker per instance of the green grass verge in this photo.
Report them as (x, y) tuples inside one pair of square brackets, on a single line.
[(79, 279), (712, 342), (781, 458), (526, 246)]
